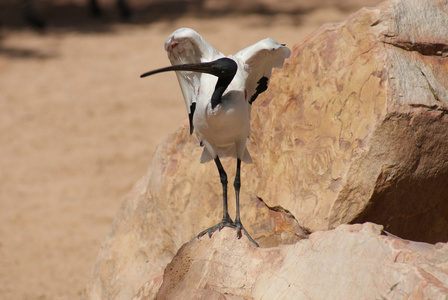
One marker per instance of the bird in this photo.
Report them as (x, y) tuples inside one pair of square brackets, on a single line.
[(219, 91)]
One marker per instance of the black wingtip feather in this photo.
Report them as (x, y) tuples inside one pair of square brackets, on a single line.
[(261, 87), (190, 116)]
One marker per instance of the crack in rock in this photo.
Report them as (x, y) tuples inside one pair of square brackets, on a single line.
[(302, 233), (422, 48), (442, 109)]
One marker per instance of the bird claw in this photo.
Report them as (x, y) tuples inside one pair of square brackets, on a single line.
[(229, 223), (239, 227), (219, 226), (238, 233)]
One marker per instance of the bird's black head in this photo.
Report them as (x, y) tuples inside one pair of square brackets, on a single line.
[(223, 67)]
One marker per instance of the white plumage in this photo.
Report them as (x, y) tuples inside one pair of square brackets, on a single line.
[(218, 92), (223, 130)]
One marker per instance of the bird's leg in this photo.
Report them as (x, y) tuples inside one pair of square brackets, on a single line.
[(223, 177), (237, 223), (226, 220)]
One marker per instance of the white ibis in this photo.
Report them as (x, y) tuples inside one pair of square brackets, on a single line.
[(218, 93)]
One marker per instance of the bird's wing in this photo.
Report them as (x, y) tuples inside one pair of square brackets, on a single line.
[(186, 46), (259, 60)]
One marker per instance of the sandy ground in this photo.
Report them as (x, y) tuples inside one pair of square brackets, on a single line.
[(78, 128)]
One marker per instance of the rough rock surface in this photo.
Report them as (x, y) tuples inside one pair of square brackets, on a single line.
[(352, 129), (344, 263)]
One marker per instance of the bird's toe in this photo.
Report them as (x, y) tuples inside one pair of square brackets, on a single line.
[(239, 229), (219, 226)]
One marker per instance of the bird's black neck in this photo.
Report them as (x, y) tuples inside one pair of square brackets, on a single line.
[(225, 69), (220, 88)]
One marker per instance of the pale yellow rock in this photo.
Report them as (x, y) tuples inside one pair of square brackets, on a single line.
[(349, 262), (354, 128), (357, 119)]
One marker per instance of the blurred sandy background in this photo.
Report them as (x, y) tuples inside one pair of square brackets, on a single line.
[(78, 126)]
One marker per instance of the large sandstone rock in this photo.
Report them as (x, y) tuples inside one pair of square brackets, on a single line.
[(352, 129), (349, 262)]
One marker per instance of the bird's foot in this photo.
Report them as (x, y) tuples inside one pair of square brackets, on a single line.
[(239, 227), (226, 222)]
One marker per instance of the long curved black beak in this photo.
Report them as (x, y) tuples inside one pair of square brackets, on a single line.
[(202, 67), (222, 68)]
